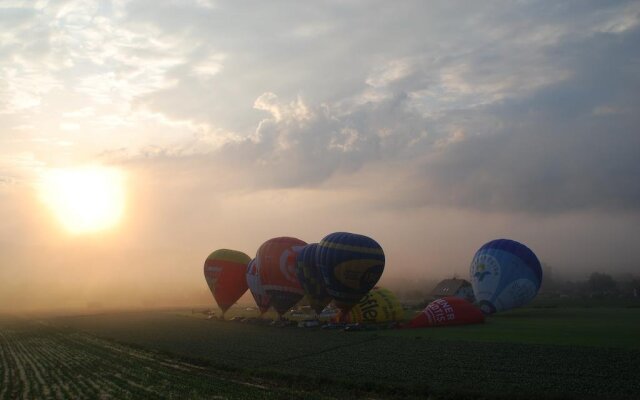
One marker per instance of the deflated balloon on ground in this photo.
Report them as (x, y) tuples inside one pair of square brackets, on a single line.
[(378, 306), (447, 311)]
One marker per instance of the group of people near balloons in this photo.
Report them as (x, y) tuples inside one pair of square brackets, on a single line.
[(343, 268)]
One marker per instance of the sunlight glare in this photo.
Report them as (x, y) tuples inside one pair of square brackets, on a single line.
[(84, 200)]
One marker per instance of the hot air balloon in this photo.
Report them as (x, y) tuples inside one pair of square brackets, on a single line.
[(224, 271), (504, 274), (448, 311), (377, 306), (351, 265), (255, 287), (310, 278), (276, 260)]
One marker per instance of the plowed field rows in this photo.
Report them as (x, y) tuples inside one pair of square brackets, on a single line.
[(38, 361)]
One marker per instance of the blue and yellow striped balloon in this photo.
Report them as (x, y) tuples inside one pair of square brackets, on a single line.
[(351, 265), (311, 279)]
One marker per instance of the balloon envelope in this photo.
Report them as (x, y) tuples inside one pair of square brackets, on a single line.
[(504, 274), (255, 286), (276, 260), (379, 305), (224, 271), (351, 265), (448, 311), (310, 278)]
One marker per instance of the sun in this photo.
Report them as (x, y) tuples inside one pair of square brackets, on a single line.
[(85, 199)]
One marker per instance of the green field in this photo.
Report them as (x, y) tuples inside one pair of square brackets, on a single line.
[(39, 361), (529, 353), (597, 327)]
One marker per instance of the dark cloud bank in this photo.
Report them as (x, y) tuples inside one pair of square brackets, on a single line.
[(570, 145), (521, 108)]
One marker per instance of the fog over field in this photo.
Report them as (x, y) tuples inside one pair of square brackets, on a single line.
[(432, 127)]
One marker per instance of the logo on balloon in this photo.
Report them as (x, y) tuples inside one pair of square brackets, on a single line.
[(485, 265), (440, 311), (288, 263), (481, 272), (371, 276), (212, 269), (212, 273), (358, 273), (369, 308)]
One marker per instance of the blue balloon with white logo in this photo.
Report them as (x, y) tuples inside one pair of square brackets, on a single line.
[(505, 274), (350, 265)]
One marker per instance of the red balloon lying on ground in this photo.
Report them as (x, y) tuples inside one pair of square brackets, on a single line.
[(448, 311)]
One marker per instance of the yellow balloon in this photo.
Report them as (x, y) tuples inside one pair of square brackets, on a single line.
[(379, 305)]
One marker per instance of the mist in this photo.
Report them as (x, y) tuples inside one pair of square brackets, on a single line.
[(155, 258), (432, 128)]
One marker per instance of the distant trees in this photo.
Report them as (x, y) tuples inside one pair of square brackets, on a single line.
[(629, 284), (602, 284), (598, 285), (548, 285)]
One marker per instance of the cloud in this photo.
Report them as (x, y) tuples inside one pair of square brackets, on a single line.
[(432, 126), (548, 151), (525, 107), (510, 127)]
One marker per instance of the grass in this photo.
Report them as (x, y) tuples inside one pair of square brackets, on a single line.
[(529, 353), (43, 362), (597, 327)]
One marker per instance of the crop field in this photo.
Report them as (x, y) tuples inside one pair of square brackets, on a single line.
[(529, 353), (38, 361), (595, 327)]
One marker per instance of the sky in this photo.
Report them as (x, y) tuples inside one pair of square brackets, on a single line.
[(431, 126)]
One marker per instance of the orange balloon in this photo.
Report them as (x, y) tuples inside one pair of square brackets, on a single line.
[(225, 271), (276, 260)]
